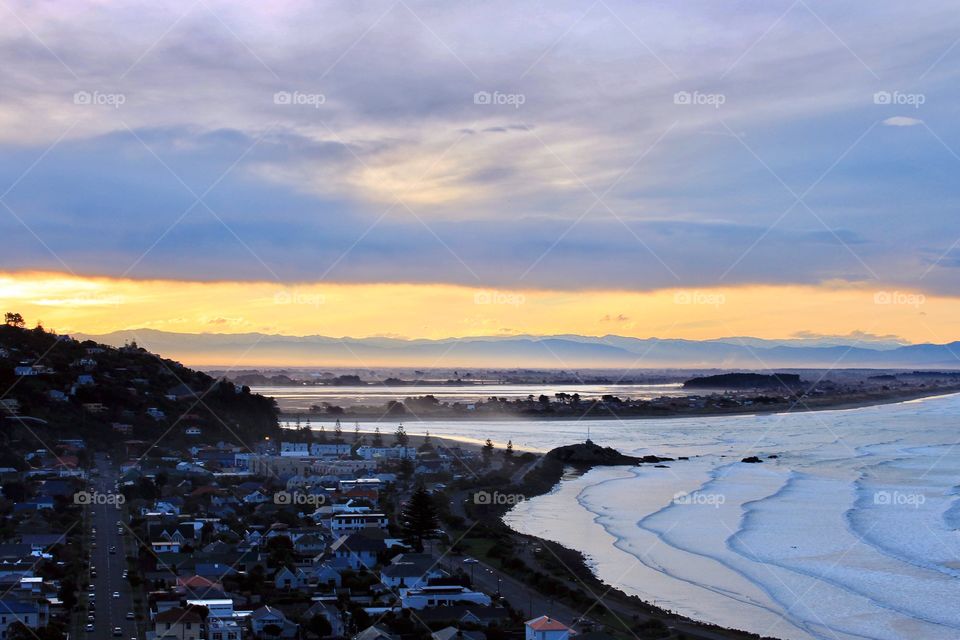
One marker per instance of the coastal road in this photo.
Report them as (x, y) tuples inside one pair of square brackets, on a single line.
[(520, 596), (110, 612)]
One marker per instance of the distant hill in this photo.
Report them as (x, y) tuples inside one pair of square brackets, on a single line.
[(744, 381), (83, 388), (554, 352)]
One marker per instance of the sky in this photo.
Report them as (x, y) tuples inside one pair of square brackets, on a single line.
[(436, 169)]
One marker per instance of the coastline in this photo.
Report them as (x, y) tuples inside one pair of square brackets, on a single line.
[(799, 407), (616, 609)]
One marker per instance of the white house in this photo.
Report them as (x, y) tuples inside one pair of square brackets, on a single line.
[(546, 628), (387, 453), (223, 629), (294, 449), (443, 596), (344, 523), (330, 449)]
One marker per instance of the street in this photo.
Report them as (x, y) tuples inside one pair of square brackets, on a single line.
[(109, 612)]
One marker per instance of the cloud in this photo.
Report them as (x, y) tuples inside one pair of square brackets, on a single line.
[(902, 121), (598, 179)]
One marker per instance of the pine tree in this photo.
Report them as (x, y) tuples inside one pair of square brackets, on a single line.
[(400, 436), (356, 432), (337, 432), (322, 436), (418, 519), (487, 451), (508, 452), (377, 438)]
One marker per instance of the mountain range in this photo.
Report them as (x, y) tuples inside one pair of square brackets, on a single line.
[(554, 352)]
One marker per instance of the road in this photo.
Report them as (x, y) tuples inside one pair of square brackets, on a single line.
[(110, 612)]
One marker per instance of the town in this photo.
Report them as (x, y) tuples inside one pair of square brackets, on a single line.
[(131, 509)]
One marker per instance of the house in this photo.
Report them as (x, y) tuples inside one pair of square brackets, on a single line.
[(323, 575), (269, 616), (546, 628), (330, 449), (13, 610), (452, 633), (374, 632), (409, 571), (10, 405), (257, 497), (387, 453), (156, 414), (166, 546), (344, 523), (223, 629), (444, 596), (56, 395), (286, 578), (192, 431), (332, 615), (357, 551), (85, 380), (179, 624)]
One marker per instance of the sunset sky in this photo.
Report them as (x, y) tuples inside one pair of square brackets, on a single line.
[(435, 169)]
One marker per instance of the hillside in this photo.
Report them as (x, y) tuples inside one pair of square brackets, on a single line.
[(72, 388)]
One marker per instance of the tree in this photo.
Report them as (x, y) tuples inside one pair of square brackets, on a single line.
[(418, 519), (508, 452), (377, 438), (14, 320), (322, 436), (400, 436), (320, 626), (487, 451), (356, 432), (337, 432)]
